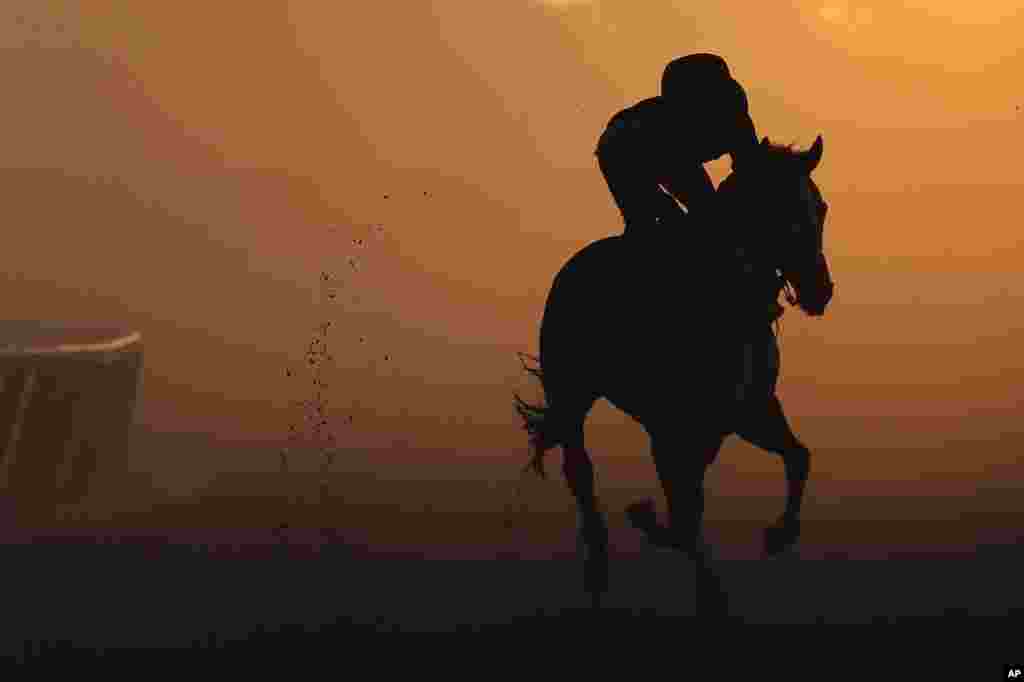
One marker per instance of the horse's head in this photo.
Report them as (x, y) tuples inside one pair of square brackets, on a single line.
[(790, 202)]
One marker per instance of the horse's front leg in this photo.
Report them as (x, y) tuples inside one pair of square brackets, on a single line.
[(770, 431), (681, 468), (785, 532)]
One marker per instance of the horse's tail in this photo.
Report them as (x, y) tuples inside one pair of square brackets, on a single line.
[(538, 421)]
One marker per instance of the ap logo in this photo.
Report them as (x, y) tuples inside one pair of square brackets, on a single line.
[(1014, 672)]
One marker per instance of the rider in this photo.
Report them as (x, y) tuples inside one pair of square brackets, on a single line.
[(652, 153)]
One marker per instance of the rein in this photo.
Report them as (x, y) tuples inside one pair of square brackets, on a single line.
[(788, 292)]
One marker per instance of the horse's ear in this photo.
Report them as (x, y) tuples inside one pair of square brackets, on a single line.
[(812, 157)]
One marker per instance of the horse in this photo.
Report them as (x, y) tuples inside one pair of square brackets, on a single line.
[(612, 329)]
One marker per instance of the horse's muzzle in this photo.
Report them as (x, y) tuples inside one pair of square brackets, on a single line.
[(814, 304), (814, 289)]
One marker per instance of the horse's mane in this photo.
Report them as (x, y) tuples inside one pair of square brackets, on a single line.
[(771, 155), (774, 152)]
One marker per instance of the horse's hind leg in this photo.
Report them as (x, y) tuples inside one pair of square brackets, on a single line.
[(681, 473), (578, 470), (769, 430)]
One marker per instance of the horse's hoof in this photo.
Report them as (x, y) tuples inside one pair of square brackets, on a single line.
[(696, 554), (694, 550), (713, 604), (778, 539), (642, 515)]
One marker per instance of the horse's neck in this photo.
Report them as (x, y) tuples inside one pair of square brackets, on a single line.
[(739, 225)]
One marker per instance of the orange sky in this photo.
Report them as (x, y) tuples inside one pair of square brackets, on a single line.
[(191, 168)]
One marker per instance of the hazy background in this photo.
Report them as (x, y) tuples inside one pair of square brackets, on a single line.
[(190, 169)]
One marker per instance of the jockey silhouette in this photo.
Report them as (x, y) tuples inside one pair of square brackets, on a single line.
[(652, 153)]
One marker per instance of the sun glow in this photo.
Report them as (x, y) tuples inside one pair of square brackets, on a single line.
[(846, 14), (983, 33), (960, 13), (564, 3), (980, 12)]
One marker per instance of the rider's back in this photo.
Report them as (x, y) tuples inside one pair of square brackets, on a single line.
[(637, 151), (652, 153)]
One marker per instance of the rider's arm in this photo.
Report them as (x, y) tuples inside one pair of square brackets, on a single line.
[(691, 186)]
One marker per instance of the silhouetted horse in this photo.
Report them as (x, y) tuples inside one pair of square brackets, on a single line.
[(617, 325)]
